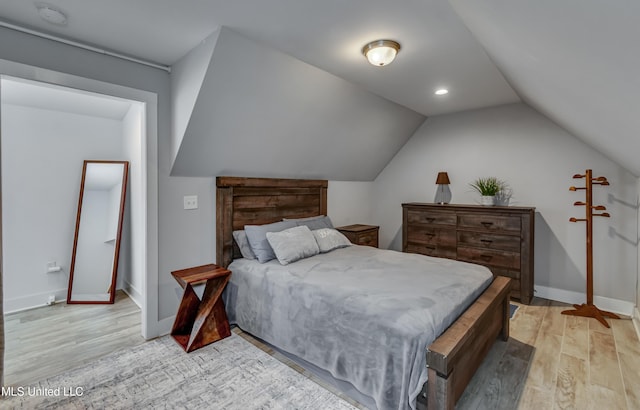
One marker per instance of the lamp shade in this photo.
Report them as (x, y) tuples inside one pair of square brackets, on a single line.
[(442, 179), (381, 52)]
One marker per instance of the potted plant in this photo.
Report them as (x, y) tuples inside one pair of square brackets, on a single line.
[(488, 188)]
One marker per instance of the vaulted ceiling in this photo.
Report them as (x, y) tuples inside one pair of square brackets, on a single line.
[(574, 61)]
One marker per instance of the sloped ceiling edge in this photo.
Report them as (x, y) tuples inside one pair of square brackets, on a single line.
[(187, 77), (261, 112), (574, 63)]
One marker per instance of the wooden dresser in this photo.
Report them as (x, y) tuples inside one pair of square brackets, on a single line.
[(499, 237)]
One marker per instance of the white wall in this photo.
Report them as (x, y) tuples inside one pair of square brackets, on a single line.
[(350, 203), (638, 279), (538, 159), (132, 255), (42, 155)]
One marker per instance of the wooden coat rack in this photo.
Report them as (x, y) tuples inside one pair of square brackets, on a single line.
[(589, 309)]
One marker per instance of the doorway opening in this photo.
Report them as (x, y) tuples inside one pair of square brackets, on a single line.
[(43, 167)]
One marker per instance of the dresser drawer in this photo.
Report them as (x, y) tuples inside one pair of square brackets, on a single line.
[(490, 223), (489, 240), (489, 257), (498, 237), (431, 235), (431, 217), (438, 251)]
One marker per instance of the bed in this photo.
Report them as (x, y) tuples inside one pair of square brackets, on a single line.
[(451, 359)]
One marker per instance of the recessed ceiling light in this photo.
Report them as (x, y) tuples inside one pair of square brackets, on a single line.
[(442, 91), (51, 14)]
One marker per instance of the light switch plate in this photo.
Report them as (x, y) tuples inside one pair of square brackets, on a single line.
[(191, 202)]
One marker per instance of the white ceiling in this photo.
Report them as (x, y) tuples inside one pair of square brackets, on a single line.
[(437, 49), (51, 97), (576, 61)]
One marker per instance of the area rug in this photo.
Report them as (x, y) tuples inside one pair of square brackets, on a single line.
[(229, 374), (513, 308)]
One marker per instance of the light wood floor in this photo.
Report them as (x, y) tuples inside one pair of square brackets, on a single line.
[(46, 341), (551, 361), (555, 361)]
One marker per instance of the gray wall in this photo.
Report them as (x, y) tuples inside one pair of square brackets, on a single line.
[(538, 159), (187, 76)]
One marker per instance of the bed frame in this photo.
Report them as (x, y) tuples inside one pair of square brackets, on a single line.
[(452, 358)]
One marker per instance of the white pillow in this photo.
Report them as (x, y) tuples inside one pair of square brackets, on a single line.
[(293, 244), (330, 239)]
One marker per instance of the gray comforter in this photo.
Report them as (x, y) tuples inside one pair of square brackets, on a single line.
[(366, 315)]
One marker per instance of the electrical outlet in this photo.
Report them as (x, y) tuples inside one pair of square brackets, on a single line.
[(52, 267), (191, 202)]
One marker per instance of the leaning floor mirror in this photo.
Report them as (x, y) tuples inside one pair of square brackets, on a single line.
[(96, 243)]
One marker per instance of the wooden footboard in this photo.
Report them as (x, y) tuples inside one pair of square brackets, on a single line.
[(454, 357)]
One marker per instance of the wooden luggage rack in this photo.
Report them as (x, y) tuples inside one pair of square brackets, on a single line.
[(589, 309)]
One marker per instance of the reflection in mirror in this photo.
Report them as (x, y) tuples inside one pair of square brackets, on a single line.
[(96, 244)]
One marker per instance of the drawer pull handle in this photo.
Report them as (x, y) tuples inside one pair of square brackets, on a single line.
[(487, 241), (486, 224), (486, 257), (429, 219), (433, 248), (429, 234)]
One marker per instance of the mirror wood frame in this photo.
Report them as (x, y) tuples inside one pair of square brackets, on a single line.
[(116, 256)]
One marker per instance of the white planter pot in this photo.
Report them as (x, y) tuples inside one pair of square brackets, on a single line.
[(488, 200)]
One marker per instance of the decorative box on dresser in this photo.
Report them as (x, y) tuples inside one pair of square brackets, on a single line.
[(499, 237)]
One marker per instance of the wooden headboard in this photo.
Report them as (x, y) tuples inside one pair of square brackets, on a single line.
[(257, 201)]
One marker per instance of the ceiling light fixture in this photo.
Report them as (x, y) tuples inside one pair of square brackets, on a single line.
[(50, 14), (442, 91), (381, 52)]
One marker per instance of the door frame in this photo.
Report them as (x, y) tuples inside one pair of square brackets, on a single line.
[(149, 141)]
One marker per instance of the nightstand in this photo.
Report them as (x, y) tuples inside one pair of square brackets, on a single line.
[(200, 322), (361, 234)]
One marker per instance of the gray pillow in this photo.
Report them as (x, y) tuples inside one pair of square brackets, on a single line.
[(257, 236), (330, 239), (293, 244), (314, 222), (243, 243)]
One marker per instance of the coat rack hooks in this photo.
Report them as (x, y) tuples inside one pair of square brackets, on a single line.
[(589, 309)]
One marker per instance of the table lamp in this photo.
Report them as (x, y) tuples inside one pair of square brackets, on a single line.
[(442, 181)]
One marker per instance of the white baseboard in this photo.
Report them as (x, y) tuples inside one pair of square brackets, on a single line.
[(13, 305), (636, 320), (133, 294), (567, 296)]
